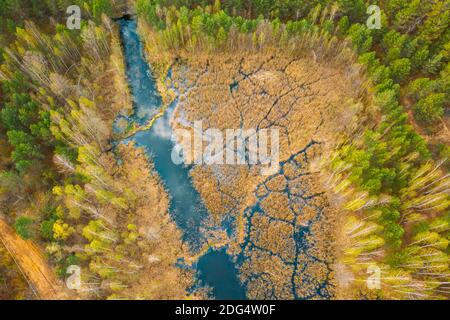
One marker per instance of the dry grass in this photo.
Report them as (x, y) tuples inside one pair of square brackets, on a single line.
[(306, 101)]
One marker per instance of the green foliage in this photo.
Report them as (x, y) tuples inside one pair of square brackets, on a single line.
[(444, 152), (27, 126), (400, 69), (394, 44), (49, 213), (26, 151), (444, 81), (393, 232), (430, 109), (19, 110), (23, 226), (100, 7), (354, 9), (343, 25), (396, 259), (47, 229), (421, 87), (433, 64), (420, 58), (361, 37)]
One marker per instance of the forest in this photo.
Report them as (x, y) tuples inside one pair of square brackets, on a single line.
[(82, 199)]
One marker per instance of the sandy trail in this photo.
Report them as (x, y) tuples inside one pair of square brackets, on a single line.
[(32, 264)]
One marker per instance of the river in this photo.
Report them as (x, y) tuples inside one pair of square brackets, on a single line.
[(215, 268)]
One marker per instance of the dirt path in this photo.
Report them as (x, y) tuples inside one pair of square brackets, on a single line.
[(32, 264)]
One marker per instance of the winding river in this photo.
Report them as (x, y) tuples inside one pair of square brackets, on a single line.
[(215, 268)]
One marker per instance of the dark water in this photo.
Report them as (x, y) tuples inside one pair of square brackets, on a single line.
[(215, 268), (140, 79), (218, 271)]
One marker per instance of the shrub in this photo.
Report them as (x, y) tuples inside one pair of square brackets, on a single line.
[(430, 109), (23, 227)]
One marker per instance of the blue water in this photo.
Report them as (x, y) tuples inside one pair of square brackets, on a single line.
[(215, 268), (146, 99)]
